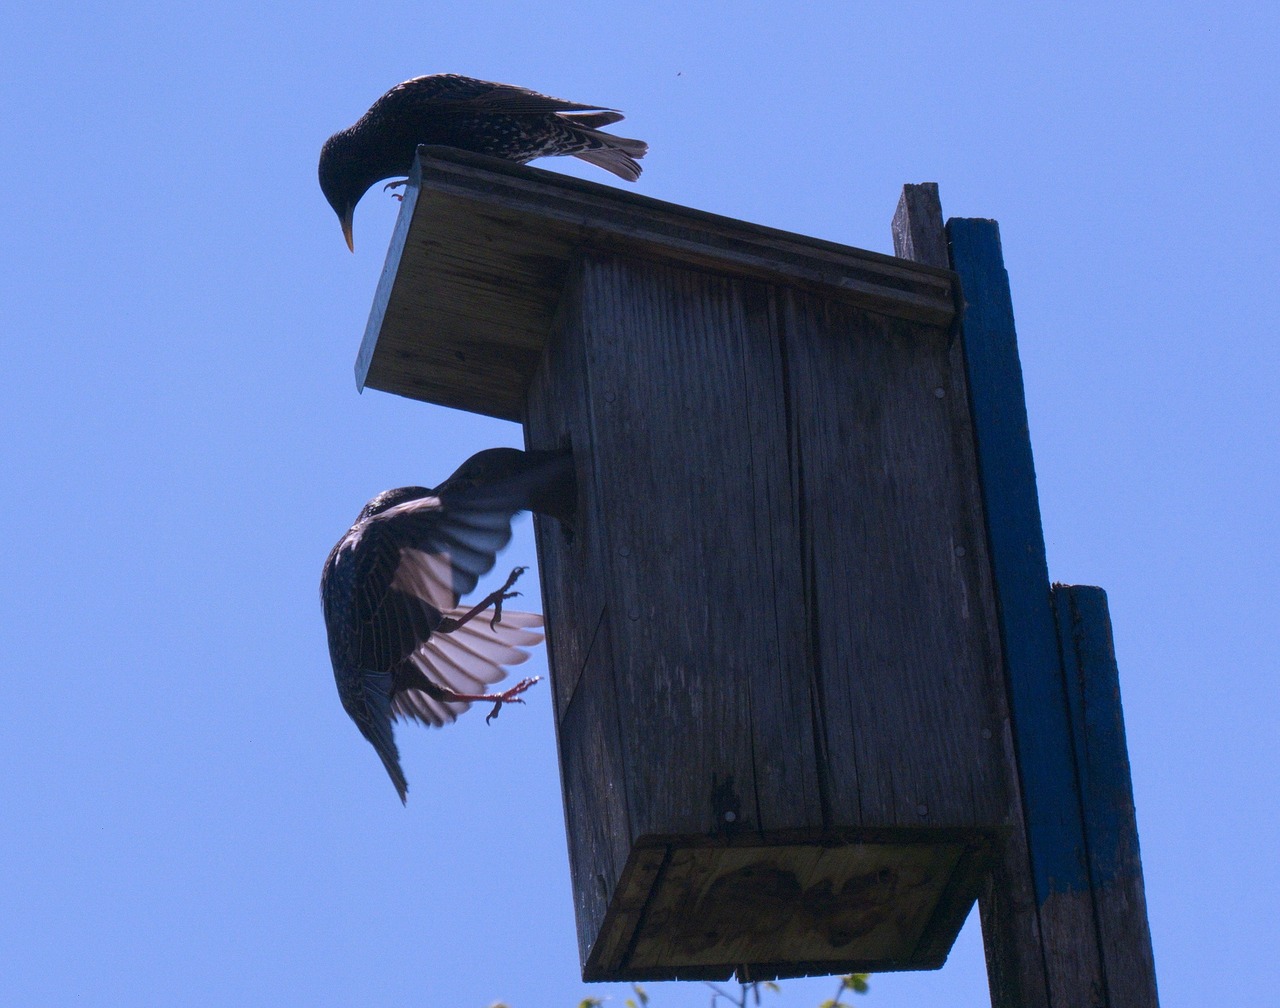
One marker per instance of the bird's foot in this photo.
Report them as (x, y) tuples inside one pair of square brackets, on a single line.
[(509, 696), (501, 595), (396, 184), (495, 599)]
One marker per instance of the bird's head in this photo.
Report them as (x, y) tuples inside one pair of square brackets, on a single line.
[(341, 184), (486, 466)]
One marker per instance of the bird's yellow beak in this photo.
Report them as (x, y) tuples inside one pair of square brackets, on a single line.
[(346, 228)]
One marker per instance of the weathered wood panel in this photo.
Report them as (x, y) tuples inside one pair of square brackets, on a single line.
[(781, 556), (709, 624), (917, 226), (1064, 932), (785, 905), (743, 904), (1008, 905), (895, 568), (1111, 825), (482, 249), (579, 639)]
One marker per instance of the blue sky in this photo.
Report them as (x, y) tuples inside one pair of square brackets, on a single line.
[(190, 818)]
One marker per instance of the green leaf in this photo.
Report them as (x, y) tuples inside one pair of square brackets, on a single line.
[(856, 982), (590, 1003), (644, 998), (769, 985)]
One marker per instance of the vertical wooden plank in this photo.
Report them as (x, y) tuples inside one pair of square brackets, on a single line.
[(1008, 908), (686, 454), (1111, 826), (1063, 929), (917, 226), (899, 600), (579, 635)]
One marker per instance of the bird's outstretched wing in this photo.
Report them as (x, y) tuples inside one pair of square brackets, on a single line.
[(393, 577), (465, 661), (404, 567)]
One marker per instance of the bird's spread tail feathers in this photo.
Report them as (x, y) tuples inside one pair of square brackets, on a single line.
[(615, 154)]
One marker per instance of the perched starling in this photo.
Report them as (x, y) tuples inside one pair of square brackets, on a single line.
[(400, 644), (497, 119)]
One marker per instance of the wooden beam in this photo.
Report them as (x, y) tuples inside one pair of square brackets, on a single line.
[(1034, 681), (917, 226), (1111, 826), (483, 250), (1008, 906), (1064, 917)]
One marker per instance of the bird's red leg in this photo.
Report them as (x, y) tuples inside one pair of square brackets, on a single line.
[(505, 697), (396, 185), (495, 599)]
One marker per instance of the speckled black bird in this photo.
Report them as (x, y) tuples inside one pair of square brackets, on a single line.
[(452, 111), (401, 647)]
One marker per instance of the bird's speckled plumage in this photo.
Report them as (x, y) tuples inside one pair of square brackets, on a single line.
[(400, 572), (501, 120)]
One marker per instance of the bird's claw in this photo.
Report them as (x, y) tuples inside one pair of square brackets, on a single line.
[(396, 184), (511, 696), (497, 608), (497, 605), (497, 707)]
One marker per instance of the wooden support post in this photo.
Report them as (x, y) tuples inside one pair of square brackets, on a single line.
[(1063, 918), (1050, 807), (1110, 824), (917, 226)]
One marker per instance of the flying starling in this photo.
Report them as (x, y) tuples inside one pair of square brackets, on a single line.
[(496, 119), (400, 644)]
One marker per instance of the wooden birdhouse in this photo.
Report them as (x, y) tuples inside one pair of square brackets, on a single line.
[(773, 636)]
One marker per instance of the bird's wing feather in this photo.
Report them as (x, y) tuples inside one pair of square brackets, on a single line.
[(390, 579), (469, 532), (466, 661), (471, 95)]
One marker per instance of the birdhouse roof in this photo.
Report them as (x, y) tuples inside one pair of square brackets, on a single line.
[(483, 248)]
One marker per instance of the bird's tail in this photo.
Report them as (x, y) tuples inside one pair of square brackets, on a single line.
[(614, 154)]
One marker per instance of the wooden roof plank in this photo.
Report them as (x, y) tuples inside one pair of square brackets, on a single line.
[(482, 249)]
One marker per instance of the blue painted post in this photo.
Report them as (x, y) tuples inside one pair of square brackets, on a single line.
[(1041, 943), (1110, 823)]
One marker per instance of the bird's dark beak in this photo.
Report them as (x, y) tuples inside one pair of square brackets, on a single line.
[(346, 226)]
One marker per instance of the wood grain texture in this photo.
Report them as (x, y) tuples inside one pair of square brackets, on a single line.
[(1111, 826), (1041, 944), (1008, 905), (707, 628), (579, 641), (786, 905), (776, 613), (895, 568), (918, 233), (482, 250)]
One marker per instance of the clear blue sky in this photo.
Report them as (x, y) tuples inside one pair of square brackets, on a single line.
[(188, 817)]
